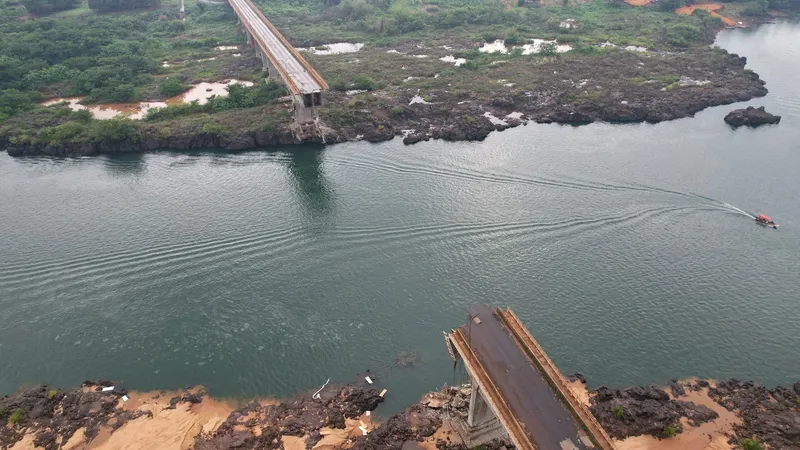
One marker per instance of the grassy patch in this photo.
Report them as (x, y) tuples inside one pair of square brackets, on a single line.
[(17, 416), (617, 411), (751, 444), (670, 431)]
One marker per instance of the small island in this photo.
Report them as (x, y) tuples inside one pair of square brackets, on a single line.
[(751, 117)]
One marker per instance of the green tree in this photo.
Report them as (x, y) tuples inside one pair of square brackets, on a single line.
[(114, 130), (172, 87), (120, 5), (751, 444), (42, 7), (13, 101)]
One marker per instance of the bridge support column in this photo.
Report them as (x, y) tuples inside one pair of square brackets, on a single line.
[(481, 425), (479, 412)]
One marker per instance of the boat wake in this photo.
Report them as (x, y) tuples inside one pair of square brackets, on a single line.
[(740, 211)]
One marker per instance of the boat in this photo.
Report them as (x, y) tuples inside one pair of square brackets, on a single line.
[(765, 220)]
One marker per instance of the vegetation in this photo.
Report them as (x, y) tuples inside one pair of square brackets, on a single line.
[(115, 58), (120, 5), (239, 96), (43, 7), (751, 444), (172, 87), (670, 431), (51, 394), (17, 416), (617, 411)]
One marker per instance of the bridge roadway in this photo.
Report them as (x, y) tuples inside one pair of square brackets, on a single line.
[(515, 378), (300, 78)]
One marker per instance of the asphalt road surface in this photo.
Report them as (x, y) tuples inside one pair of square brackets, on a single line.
[(548, 422), (295, 70)]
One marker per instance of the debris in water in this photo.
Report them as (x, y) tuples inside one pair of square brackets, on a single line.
[(369, 380)]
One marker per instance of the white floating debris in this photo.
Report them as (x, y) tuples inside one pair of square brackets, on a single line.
[(369, 380), (368, 413), (125, 398), (109, 388), (383, 392), (392, 51), (420, 56), (227, 47)]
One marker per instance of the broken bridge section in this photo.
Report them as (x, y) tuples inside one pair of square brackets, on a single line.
[(516, 384), (282, 61)]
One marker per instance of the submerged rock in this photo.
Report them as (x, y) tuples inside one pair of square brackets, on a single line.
[(751, 117)]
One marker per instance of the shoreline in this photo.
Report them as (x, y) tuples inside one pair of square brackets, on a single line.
[(691, 413), (613, 86)]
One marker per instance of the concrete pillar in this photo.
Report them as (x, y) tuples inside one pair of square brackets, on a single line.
[(479, 411)]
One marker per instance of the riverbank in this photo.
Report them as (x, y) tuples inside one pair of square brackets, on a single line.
[(612, 85), (697, 414), (569, 64)]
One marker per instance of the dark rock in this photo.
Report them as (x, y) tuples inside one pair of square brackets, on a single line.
[(703, 383), (751, 117), (643, 410), (502, 102), (414, 138), (577, 376), (796, 388), (677, 389), (771, 416)]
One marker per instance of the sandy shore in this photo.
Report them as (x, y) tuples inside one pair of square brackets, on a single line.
[(705, 415)]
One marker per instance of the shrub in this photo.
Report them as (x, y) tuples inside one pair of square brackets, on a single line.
[(119, 5), (17, 416), (48, 6), (670, 431), (617, 411), (363, 82), (172, 87), (213, 129), (751, 444), (51, 394), (65, 132), (548, 49), (114, 130)]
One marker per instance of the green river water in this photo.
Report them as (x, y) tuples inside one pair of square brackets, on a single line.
[(626, 249)]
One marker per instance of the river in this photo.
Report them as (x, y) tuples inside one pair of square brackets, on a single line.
[(626, 249)]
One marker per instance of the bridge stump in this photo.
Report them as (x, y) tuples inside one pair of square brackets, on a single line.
[(481, 425)]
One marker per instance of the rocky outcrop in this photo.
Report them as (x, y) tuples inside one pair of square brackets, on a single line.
[(751, 117), (644, 410), (56, 415), (770, 415)]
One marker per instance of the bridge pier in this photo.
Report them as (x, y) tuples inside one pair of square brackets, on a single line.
[(481, 426)]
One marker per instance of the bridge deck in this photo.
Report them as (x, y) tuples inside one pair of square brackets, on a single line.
[(524, 390), (300, 78)]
